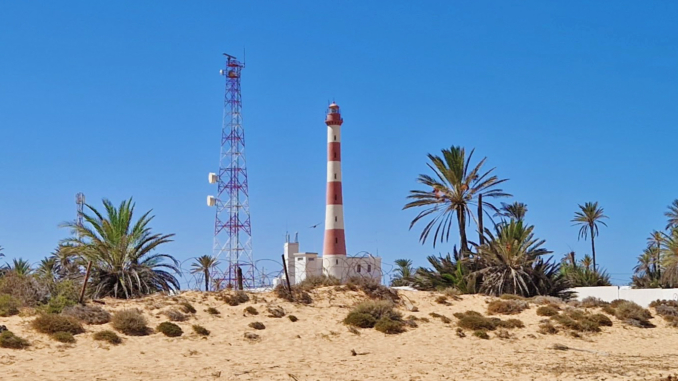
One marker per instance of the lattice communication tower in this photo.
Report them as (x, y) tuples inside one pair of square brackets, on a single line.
[(232, 227)]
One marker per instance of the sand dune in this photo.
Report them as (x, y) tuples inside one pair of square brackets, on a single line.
[(319, 347)]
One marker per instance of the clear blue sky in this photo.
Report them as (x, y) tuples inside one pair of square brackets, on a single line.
[(572, 101)]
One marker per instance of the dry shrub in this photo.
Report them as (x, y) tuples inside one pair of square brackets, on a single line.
[(615, 303), (108, 336), (292, 318), (608, 309), (666, 310), (360, 320), (474, 322), (235, 299), (187, 308), (602, 320), (510, 323), (252, 336), (547, 329), (547, 311), (249, 310), (213, 311), (368, 314), (664, 302), (11, 341), (175, 315), (506, 307), (633, 314), (297, 295), (130, 322), (412, 323), (592, 302), (503, 334), (580, 321), (63, 337), (257, 325), (88, 314), (390, 326), (28, 290), (460, 332), (511, 297), (313, 282), (481, 334), (548, 301), (200, 330), (9, 306), (50, 324), (442, 318), (442, 299), (169, 329), (373, 289), (275, 311), (452, 293)]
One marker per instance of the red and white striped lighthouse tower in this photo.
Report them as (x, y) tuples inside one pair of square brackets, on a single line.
[(334, 248)]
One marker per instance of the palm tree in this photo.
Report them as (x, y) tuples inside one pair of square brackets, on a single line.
[(589, 217), (581, 275), (515, 211), (672, 215), (669, 259), (647, 271), (204, 264), (511, 262), (122, 252), (654, 247), (453, 188), (48, 268), (20, 267), (403, 273)]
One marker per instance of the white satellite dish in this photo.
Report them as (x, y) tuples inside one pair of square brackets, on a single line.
[(211, 201), (212, 178)]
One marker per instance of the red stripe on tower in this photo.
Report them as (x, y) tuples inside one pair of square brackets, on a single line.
[(335, 239)]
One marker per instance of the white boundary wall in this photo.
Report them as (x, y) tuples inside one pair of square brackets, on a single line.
[(641, 296)]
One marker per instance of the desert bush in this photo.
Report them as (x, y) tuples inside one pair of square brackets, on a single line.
[(188, 308), (608, 309), (460, 332), (175, 315), (28, 290), (65, 294), (633, 314), (666, 310), (506, 307), (481, 334), (63, 337), (591, 302), (50, 324), (578, 321), (169, 329), (293, 318), (390, 326), (511, 297), (9, 306), (503, 334), (547, 311), (252, 336), (360, 320), (374, 289), (200, 330), (88, 314), (251, 311), (314, 282), (275, 311), (235, 299), (664, 302), (547, 329), (602, 320), (257, 325), (11, 341), (213, 311), (615, 303), (474, 321), (130, 322), (108, 336), (297, 295), (442, 318), (452, 293), (442, 299), (510, 323), (552, 301), (367, 314)]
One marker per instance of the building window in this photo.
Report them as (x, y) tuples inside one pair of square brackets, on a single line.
[(335, 197), (335, 138), (336, 240), (358, 269), (311, 259), (335, 176), (300, 259), (335, 218), (336, 261), (369, 268)]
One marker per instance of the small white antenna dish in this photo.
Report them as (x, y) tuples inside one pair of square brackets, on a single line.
[(211, 201), (212, 178)]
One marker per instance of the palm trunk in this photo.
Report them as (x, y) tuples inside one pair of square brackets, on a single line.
[(461, 220), (657, 264), (481, 239), (207, 280), (593, 249)]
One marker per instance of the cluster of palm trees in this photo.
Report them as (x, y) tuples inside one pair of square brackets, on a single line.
[(507, 258), (658, 264)]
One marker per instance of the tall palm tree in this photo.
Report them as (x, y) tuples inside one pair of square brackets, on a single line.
[(654, 247), (672, 215), (48, 268), (588, 218), (204, 264), (404, 272), (20, 266), (122, 252), (514, 211), (453, 188)]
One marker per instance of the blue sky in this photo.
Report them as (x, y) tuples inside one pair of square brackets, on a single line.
[(572, 101)]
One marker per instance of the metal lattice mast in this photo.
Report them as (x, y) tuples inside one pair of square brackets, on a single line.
[(232, 227), (80, 204)]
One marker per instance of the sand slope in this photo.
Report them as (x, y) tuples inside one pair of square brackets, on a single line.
[(318, 347)]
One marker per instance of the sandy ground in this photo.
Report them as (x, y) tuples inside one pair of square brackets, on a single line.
[(318, 347)]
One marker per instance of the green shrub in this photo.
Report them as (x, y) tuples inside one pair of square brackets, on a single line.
[(547, 329), (108, 336), (579, 321), (64, 295), (175, 315), (251, 311), (169, 329), (474, 323), (50, 324), (292, 318), (187, 308), (29, 291), (130, 322), (200, 330), (360, 320), (481, 334), (88, 314), (8, 306), (389, 326), (63, 337), (547, 311), (11, 341), (506, 307), (257, 325), (633, 314), (367, 314)]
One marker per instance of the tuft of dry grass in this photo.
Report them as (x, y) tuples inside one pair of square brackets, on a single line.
[(593, 302), (296, 295), (235, 299), (503, 334), (552, 301), (130, 322), (213, 311), (579, 321), (88, 314), (292, 318), (249, 310), (442, 318), (473, 320), (547, 311), (511, 297), (175, 315), (547, 329), (442, 299), (108, 336), (51, 323), (200, 330), (313, 282), (460, 332), (373, 289), (257, 325), (11, 341), (187, 308), (252, 336), (370, 313), (390, 326), (481, 334), (63, 337), (632, 314), (506, 307), (275, 311), (169, 329)]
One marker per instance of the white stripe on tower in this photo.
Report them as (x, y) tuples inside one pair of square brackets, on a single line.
[(335, 239)]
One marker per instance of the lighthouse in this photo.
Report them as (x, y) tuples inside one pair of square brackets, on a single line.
[(334, 247)]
